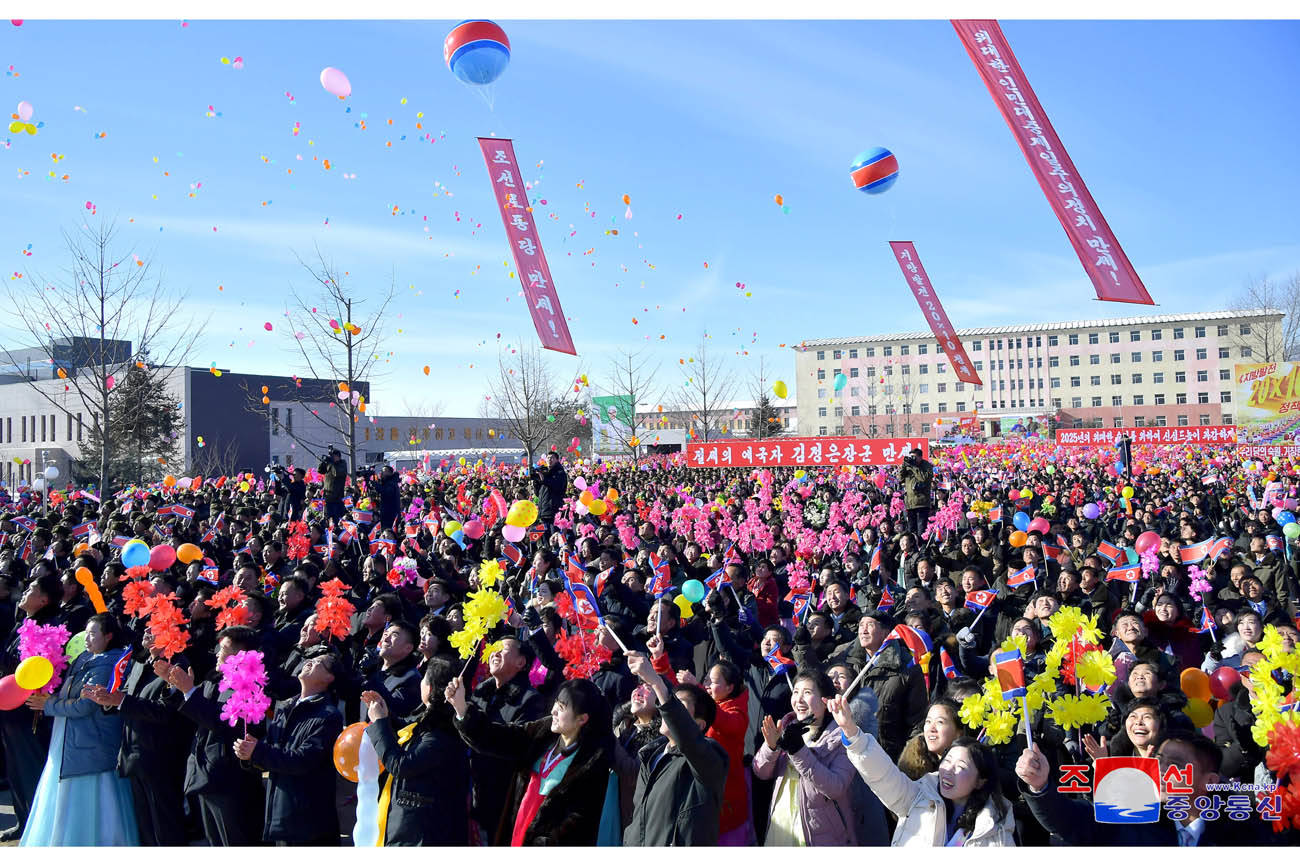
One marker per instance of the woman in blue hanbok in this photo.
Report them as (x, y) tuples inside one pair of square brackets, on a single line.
[(80, 799)]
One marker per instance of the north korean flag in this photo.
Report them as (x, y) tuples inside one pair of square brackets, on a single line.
[(886, 602), (1020, 578), (386, 546), (717, 580), (1274, 542), (729, 556), (1220, 547), (1206, 624), (1010, 668), (120, 541), (1109, 551), (980, 599), (779, 662), (800, 601), (512, 553), (1127, 574), (1052, 551), (210, 576), (950, 670), (995, 514), (83, 529), (600, 581), (662, 580), (1194, 553), (363, 516), (119, 670), (584, 604), (574, 569), (877, 557), (24, 523)]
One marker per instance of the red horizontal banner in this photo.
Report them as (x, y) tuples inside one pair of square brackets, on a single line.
[(1218, 434), (821, 451)]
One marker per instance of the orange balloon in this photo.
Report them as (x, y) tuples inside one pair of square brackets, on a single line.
[(197, 482), (347, 750), (1195, 683), (188, 553), (87, 582), (1018, 539), (169, 481)]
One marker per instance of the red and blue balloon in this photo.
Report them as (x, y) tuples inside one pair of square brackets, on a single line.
[(874, 170), (477, 52)]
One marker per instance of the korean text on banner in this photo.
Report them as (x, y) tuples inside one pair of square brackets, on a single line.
[(1218, 434), (829, 451), (919, 282), (1112, 275), (525, 245)]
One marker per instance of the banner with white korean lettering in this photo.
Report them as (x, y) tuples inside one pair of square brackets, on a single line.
[(919, 282), (1112, 275), (1268, 402), (819, 451), (525, 245), (1214, 434)]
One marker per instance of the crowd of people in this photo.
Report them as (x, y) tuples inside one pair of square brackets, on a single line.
[(686, 656)]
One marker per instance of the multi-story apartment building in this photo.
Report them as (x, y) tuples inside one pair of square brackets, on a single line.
[(1160, 370)]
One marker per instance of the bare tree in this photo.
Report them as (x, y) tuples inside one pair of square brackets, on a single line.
[(534, 407), (709, 391), (338, 344), (1269, 342), (631, 375), (764, 421), (97, 321), (216, 459)]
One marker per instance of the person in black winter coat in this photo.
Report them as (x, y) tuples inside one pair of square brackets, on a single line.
[(506, 696), (229, 793), (1233, 720), (397, 679), (26, 736), (155, 742), (682, 777), (390, 498), (561, 765), (298, 751), (427, 767), (549, 484)]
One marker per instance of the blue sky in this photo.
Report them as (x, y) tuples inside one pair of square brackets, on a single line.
[(1185, 133)]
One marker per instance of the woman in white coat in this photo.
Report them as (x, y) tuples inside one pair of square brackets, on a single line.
[(957, 805)]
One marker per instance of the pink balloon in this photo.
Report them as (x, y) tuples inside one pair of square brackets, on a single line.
[(12, 695), (24, 111), (1013, 495), (474, 528), (1039, 524), (162, 557), (513, 533), (1147, 541), (335, 82), (580, 483)]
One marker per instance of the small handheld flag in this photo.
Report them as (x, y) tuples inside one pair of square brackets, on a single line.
[(1127, 574), (584, 603), (1191, 554), (1020, 578), (1109, 551), (119, 670), (779, 662), (980, 599), (1010, 666), (886, 602), (950, 670)]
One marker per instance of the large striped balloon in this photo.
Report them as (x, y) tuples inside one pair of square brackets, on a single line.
[(874, 170), (477, 52)]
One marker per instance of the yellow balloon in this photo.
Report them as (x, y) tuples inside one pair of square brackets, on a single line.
[(33, 673), (450, 527), (684, 605), (779, 389), (597, 507), (522, 513), (243, 486)]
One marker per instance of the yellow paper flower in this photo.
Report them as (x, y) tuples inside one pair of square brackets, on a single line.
[(489, 573), (1015, 642), (491, 648), (1001, 727), (973, 712), (993, 695), (465, 640), (1064, 710), (487, 605), (1065, 623), (1096, 668), (1093, 708), (1271, 643)]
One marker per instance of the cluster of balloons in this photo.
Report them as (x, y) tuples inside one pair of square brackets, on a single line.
[(31, 675), (1202, 688), (21, 119), (522, 514), (160, 558), (1024, 524)]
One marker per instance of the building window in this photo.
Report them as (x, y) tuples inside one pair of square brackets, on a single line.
[(1137, 378), (1074, 340), (1134, 336), (943, 387), (943, 407), (924, 349), (1180, 376), (1160, 399), (1199, 331), (1117, 400), (1155, 334), (1182, 420), (1139, 421), (1202, 375), (1227, 419), (907, 369), (837, 354), (871, 351), (1076, 402), (889, 351), (871, 372), (1116, 379), (1137, 399), (1180, 399), (42, 428), (853, 353), (857, 410), (821, 374), (1074, 381), (1094, 359), (821, 411), (904, 350), (1222, 330), (1157, 357), (1159, 421), (1245, 330), (1202, 354), (1179, 356), (69, 436), (853, 372), (1117, 421), (1205, 419), (1114, 336), (1055, 381), (961, 407), (1074, 360), (1223, 351), (839, 411), (821, 431), (855, 391), (941, 368), (1094, 380), (1158, 378), (977, 345), (925, 408), (1114, 358), (1056, 402), (1051, 340), (1245, 351), (1096, 402), (1053, 361), (1137, 357), (1225, 396), (1202, 397), (1094, 339), (821, 354), (1225, 375), (1178, 333), (923, 388)]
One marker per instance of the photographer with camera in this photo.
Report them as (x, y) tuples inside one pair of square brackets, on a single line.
[(334, 470), (917, 475)]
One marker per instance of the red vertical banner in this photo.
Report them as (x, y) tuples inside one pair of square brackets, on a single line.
[(1112, 275), (525, 245), (919, 283)]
